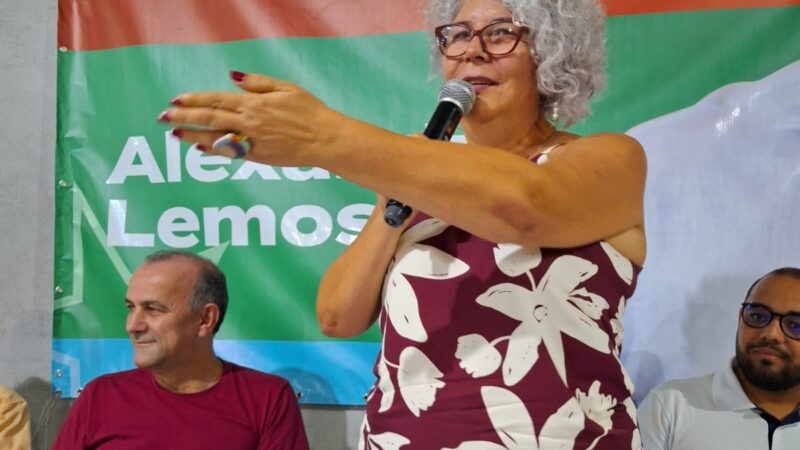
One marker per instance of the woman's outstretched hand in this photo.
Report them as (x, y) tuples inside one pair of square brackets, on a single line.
[(285, 125)]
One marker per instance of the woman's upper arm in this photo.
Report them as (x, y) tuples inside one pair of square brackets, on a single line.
[(589, 189)]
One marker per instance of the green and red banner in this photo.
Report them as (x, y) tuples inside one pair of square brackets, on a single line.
[(125, 187)]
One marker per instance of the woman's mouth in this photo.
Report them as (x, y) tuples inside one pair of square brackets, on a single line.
[(479, 83)]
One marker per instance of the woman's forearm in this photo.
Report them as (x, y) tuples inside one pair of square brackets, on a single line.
[(348, 299)]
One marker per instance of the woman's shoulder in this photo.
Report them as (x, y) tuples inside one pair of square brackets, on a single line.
[(615, 146), (603, 139)]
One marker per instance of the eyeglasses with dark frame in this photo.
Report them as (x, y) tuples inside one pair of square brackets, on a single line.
[(756, 315), (498, 38)]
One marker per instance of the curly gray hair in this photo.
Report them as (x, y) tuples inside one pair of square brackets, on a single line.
[(567, 42)]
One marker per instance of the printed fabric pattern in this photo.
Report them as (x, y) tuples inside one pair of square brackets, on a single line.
[(492, 347)]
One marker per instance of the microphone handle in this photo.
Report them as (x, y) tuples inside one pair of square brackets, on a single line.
[(441, 127), (396, 213)]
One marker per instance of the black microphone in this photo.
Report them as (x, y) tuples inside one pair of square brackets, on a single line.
[(455, 100)]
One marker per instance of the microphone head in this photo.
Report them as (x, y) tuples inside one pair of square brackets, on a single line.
[(460, 93)]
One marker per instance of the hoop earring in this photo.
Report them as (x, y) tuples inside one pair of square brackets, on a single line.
[(555, 114)]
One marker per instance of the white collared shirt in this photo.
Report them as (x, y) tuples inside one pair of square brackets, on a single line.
[(708, 413)]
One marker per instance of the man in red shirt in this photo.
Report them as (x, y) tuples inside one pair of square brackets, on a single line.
[(181, 396)]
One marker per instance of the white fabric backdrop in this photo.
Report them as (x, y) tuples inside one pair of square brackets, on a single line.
[(722, 208)]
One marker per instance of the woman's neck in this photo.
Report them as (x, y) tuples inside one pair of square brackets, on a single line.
[(519, 138)]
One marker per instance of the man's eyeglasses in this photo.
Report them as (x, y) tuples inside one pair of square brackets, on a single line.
[(756, 315), (498, 38)]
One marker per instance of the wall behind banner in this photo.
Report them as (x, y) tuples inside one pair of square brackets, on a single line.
[(27, 139)]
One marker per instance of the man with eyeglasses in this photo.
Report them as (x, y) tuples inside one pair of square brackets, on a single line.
[(754, 403)]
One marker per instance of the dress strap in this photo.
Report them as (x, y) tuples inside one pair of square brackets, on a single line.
[(542, 157), (551, 148)]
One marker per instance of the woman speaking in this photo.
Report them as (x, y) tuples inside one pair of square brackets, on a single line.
[(501, 301)]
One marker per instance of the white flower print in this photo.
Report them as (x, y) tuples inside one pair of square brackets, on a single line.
[(621, 264), (362, 443), (402, 308), (383, 441), (510, 418), (478, 445), (477, 356), (514, 426), (385, 385), (563, 427), (421, 261), (514, 260), (423, 230), (387, 441), (419, 379), (523, 350), (554, 307), (636, 440), (617, 330), (617, 327), (598, 407), (590, 304)]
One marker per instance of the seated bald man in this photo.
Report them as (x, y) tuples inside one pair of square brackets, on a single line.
[(181, 395), (754, 403)]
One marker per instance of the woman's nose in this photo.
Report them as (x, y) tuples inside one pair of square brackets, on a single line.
[(475, 49)]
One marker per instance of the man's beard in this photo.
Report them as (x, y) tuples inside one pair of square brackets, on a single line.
[(764, 375)]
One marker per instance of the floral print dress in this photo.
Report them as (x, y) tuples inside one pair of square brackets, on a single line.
[(491, 347)]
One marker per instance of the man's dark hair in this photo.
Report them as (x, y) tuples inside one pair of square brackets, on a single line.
[(783, 271), (210, 286)]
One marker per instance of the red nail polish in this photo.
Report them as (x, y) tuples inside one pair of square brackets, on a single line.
[(237, 76), (176, 101), (177, 132), (201, 147), (164, 116)]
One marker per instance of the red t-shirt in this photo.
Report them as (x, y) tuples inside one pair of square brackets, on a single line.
[(246, 410)]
